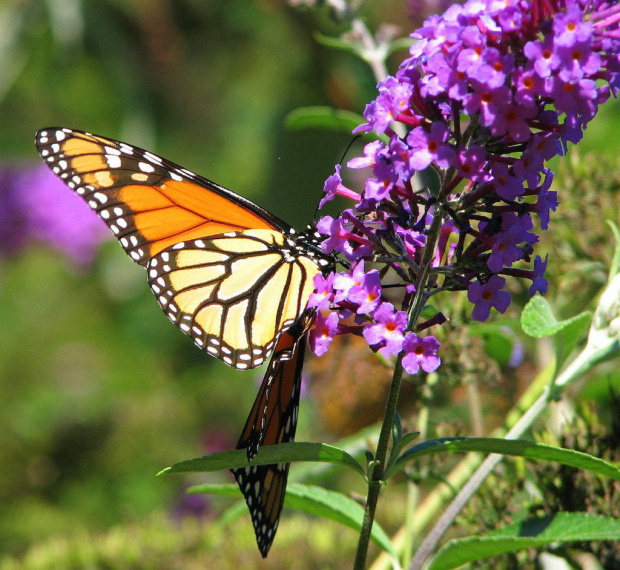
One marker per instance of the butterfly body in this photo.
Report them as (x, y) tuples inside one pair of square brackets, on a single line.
[(226, 272)]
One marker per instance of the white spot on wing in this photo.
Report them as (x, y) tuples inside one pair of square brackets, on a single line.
[(152, 157), (113, 160), (146, 167)]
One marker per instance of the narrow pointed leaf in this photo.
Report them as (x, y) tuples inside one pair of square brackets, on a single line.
[(397, 427), (514, 447), (356, 444), (268, 454), (323, 118), (406, 440), (531, 533), (313, 500)]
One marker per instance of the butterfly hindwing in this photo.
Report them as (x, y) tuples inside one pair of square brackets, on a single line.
[(272, 420), (148, 202), (233, 294)]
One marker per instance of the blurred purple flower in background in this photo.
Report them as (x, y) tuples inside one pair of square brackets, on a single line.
[(12, 220), (195, 505), (36, 206)]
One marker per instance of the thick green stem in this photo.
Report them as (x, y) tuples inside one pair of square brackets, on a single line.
[(375, 481)]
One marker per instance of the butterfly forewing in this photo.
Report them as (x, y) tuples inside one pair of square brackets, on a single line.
[(272, 420), (233, 294), (148, 202)]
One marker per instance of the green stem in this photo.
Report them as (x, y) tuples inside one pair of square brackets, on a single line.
[(372, 53), (375, 480), (376, 476), (434, 502)]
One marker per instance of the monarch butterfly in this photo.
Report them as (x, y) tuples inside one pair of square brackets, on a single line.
[(228, 273)]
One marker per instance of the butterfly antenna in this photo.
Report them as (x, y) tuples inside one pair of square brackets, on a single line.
[(346, 150)]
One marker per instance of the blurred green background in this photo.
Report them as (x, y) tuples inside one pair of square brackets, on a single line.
[(98, 391)]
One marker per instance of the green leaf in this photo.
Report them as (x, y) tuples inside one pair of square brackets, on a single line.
[(335, 506), (397, 428), (538, 320), (530, 533), (336, 43), (399, 445), (356, 445), (268, 454), (516, 447), (406, 440), (615, 262), (328, 118), (566, 339), (499, 339), (316, 501)]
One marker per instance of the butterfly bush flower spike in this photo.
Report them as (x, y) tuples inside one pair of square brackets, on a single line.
[(489, 93)]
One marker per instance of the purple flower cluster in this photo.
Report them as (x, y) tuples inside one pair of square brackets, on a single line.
[(492, 89), (35, 206)]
